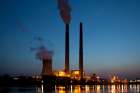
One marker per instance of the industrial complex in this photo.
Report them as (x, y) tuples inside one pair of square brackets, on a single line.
[(46, 58)]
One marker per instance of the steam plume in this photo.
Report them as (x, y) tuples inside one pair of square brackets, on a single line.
[(64, 10), (42, 52)]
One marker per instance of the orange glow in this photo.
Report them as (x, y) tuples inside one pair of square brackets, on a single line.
[(61, 90), (87, 89), (77, 89), (115, 79), (98, 88), (61, 73), (76, 72)]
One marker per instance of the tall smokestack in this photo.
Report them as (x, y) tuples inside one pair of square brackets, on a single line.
[(81, 51), (67, 49), (64, 10)]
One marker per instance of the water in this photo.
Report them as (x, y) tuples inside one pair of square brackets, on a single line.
[(75, 89)]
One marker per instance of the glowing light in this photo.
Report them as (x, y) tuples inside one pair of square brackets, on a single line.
[(71, 89), (76, 72), (42, 89), (97, 77), (98, 88), (60, 89), (112, 81), (42, 81), (61, 73), (77, 89), (87, 89), (113, 89)]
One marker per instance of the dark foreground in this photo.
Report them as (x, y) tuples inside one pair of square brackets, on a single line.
[(73, 89), (25, 84), (53, 80)]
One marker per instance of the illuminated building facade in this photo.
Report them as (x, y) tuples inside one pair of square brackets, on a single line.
[(61, 73), (75, 74)]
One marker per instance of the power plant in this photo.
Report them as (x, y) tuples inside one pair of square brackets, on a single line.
[(64, 10), (46, 56)]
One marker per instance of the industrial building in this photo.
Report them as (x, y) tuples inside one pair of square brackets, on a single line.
[(46, 58)]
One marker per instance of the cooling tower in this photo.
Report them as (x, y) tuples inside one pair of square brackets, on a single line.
[(47, 67), (46, 57)]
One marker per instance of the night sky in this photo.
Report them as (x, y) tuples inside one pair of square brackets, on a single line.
[(111, 35)]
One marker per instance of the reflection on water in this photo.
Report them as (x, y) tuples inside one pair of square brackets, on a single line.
[(135, 88), (40, 89), (118, 89), (75, 89), (93, 89)]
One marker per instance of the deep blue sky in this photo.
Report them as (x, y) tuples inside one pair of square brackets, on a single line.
[(111, 35)]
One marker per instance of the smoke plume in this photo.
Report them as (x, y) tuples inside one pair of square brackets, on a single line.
[(42, 52), (64, 10)]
